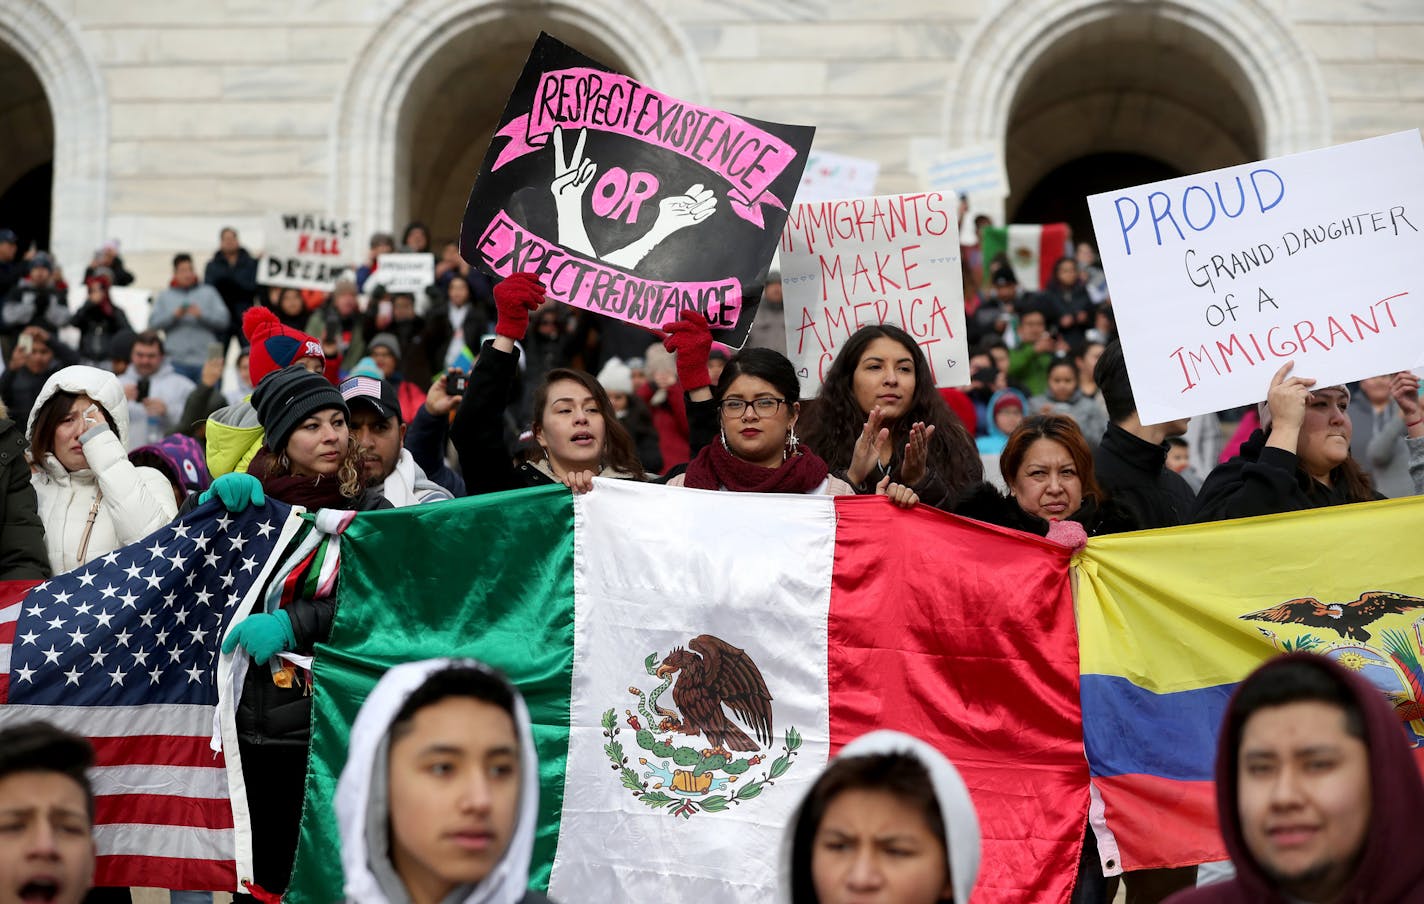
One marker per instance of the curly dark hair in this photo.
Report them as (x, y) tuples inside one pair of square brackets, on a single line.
[(619, 450), (831, 424)]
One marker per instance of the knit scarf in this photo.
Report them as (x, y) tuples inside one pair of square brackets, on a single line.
[(312, 492), (716, 467)]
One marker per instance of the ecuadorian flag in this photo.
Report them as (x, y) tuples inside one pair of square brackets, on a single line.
[(691, 660), (1170, 621)]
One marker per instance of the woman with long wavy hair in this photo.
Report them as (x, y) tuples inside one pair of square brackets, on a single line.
[(878, 415)]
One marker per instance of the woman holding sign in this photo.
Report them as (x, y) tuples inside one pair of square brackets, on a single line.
[(878, 415), (1299, 459), (577, 430)]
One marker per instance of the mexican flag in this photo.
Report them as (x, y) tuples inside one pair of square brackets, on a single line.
[(1033, 249), (841, 615)]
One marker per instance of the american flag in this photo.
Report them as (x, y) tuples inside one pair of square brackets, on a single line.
[(124, 651)]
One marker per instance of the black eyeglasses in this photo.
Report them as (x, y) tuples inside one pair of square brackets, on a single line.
[(763, 407)]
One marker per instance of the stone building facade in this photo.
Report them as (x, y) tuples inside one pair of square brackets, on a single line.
[(162, 120)]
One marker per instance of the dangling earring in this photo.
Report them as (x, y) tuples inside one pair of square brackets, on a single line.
[(724, 438), (793, 444), (283, 462)]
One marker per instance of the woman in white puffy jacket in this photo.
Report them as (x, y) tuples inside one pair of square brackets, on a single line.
[(92, 499)]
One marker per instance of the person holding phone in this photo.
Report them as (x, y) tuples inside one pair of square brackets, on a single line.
[(192, 316)]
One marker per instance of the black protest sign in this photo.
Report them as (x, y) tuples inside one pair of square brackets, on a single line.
[(628, 202)]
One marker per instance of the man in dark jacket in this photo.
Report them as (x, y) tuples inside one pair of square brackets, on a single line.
[(1317, 790), (22, 544), (1131, 461), (36, 301), (233, 272)]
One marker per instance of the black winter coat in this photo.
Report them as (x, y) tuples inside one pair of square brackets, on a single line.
[(1263, 480), (1134, 473), (984, 502), (22, 541)]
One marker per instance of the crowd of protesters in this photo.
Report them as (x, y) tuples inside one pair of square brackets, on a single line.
[(363, 400)]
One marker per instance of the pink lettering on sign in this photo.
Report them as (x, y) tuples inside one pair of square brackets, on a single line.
[(746, 155), (507, 247)]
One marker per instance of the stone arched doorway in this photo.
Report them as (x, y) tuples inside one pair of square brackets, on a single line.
[(54, 161), (425, 95), (27, 153), (1090, 95)]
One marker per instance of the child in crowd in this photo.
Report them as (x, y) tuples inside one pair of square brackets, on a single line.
[(1063, 396), (1006, 413), (1179, 459)]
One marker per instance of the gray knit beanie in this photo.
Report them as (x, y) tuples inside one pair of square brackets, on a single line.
[(289, 396)]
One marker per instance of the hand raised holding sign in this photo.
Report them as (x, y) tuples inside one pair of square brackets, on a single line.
[(1286, 401), (572, 177)]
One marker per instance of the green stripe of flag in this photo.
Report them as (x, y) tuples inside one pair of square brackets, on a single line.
[(456, 579)]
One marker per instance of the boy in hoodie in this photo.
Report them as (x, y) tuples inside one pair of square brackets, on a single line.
[(1317, 791), (888, 820), (439, 796), (46, 815)]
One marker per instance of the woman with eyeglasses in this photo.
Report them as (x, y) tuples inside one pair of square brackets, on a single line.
[(758, 400)]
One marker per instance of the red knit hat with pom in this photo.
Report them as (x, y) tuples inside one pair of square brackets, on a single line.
[(274, 345)]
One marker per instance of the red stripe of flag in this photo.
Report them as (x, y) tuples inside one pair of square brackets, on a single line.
[(1052, 245), (123, 871), (1141, 843), (162, 810), (962, 634), (14, 591), (155, 750)]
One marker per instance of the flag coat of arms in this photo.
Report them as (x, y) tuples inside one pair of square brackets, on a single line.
[(1165, 641), (123, 651), (691, 660)]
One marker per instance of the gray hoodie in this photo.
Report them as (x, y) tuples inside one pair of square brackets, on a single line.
[(362, 804), (961, 825)]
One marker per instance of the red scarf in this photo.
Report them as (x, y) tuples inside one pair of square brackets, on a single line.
[(715, 468), (312, 492)]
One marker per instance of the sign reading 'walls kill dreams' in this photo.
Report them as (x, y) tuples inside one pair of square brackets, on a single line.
[(892, 259), (628, 202), (1219, 279), (306, 251)]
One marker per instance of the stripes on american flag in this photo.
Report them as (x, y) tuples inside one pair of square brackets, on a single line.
[(123, 651)]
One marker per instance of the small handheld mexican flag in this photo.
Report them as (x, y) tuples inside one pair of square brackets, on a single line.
[(810, 620), (1032, 249)]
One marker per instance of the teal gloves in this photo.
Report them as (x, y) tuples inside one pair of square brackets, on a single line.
[(236, 491), (263, 635)]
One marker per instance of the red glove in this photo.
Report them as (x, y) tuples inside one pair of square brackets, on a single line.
[(1068, 533), (690, 339), (514, 298)]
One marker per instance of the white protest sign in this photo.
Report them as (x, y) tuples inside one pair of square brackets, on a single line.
[(830, 176), (403, 272), (306, 251), (978, 171), (1218, 279), (891, 259)]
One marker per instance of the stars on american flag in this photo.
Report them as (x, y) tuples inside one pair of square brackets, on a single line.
[(141, 624)]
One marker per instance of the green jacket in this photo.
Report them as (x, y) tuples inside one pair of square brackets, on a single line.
[(233, 437), (1028, 370)]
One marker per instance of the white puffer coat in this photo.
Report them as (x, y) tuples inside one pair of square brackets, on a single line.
[(136, 501)]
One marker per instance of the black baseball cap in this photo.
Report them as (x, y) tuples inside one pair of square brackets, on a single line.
[(380, 394)]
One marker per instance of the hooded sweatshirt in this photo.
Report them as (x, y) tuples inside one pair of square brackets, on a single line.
[(961, 825), (1390, 870), (994, 440), (363, 804), (135, 501)]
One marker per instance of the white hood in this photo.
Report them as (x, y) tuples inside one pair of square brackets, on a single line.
[(368, 883), (100, 385), (961, 825)]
